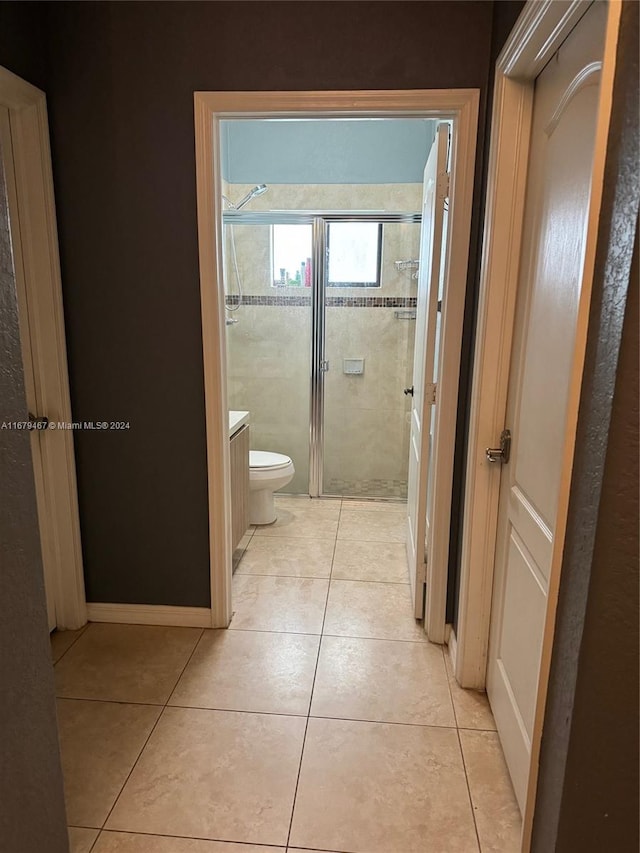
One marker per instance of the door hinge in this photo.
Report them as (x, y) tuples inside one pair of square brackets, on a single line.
[(443, 185), (324, 365), (430, 390)]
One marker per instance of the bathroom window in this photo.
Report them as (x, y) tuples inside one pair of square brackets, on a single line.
[(291, 255), (354, 250)]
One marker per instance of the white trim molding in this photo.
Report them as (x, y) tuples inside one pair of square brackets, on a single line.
[(149, 614), (57, 489), (460, 105), (538, 33)]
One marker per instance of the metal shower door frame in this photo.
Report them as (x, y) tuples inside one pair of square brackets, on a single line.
[(319, 221), (318, 367)]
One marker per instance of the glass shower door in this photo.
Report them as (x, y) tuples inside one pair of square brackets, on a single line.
[(369, 327), (269, 333)]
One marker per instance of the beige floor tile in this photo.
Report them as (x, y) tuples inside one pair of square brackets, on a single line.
[(471, 706), (494, 802), (124, 842), (304, 523), (376, 788), (370, 561), (288, 557), (126, 663), (99, 743), (349, 505), (295, 605), (63, 640), (380, 611), (382, 681), (372, 526), (215, 774), (81, 839), (250, 671)]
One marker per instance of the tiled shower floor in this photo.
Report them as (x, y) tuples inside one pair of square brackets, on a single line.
[(375, 488), (321, 721)]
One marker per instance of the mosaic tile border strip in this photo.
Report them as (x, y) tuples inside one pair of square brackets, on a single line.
[(331, 301)]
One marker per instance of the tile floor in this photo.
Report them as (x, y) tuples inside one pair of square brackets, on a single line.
[(321, 721)]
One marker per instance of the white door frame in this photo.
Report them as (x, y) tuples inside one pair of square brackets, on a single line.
[(538, 33), (210, 107), (60, 522)]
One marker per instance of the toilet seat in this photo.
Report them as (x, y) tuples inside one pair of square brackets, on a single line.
[(264, 460)]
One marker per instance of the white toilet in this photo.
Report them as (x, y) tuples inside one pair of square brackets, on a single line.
[(268, 472)]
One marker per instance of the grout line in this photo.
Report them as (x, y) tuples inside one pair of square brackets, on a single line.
[(313, 683), (112, 702), (310, 634), (239, 711), (314, 850), (464, 765), (276, 575), (269, 631), (313, 716), (466, 777), (250, 845), (446, 670), (182, 671), (153, 728), (360, 580), (68, 649), (368, 637), (383, 722), (316, 578), (470, 729)]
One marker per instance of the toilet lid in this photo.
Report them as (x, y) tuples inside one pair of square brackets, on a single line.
[(264, 459)]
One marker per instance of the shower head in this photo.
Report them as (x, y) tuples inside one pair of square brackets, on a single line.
[(256, 191)]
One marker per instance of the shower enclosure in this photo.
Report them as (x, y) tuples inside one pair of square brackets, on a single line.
[(322, 350)]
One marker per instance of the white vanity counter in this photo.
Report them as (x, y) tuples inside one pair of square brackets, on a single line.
[(237, 420)]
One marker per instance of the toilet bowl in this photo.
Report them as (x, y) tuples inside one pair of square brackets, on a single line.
[(268, 472)]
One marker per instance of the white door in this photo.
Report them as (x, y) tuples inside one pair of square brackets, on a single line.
[(555, 219), (425, 361), (6, 151)]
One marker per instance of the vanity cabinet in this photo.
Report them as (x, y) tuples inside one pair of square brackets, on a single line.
[(239, 451)]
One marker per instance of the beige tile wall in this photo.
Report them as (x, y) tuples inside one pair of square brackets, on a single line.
[(366, 416), (406, 197)]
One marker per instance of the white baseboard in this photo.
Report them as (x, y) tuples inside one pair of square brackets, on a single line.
[(150, 614)]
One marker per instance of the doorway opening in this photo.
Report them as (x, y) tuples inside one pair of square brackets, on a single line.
[(314, 277), (320, 272)]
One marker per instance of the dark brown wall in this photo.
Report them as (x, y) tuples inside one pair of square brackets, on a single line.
[(120, 89), (587, 796), (23, 41)]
